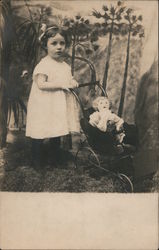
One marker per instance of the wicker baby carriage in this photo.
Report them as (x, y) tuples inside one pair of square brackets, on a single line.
[(98, 151)]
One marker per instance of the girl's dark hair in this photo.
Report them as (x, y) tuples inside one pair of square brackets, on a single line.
[(53, 31)]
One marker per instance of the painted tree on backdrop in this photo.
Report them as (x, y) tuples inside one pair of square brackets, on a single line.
[(79, 30), (131, 27), (112, 17)]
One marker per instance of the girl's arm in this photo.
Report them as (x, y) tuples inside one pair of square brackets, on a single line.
[(43, 84)]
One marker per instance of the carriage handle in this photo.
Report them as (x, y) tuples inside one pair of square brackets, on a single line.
[(94, 83)]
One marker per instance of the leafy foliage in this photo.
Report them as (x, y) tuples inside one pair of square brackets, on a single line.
[(79, 30), (7, 35), (7, 38), (28, 30)]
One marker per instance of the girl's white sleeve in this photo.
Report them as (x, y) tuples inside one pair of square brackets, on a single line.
[(40, 69)]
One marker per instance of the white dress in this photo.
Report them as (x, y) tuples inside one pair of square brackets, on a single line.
[(52, 113)]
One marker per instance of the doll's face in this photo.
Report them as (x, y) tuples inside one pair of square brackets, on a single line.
[(103, 104), (56, 46)]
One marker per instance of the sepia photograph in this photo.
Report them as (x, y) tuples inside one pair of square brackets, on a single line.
[(79, 163), (79, 96)]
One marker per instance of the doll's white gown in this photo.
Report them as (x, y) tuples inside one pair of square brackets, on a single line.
[(52, 113)]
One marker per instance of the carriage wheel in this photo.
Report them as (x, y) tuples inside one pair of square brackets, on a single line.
[(127, 183), (86, 158)]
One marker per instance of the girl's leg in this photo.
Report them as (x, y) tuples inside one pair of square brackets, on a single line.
[(57, 154), (37, 151), (55, 143), (61, 155), (54, 149)]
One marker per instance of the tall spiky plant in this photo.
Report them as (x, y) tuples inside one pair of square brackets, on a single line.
[(112, 16), (133, 27)]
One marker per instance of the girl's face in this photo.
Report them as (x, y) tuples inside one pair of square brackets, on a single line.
[(56, 46)]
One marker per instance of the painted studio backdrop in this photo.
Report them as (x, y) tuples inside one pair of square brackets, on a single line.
[(112, 53)]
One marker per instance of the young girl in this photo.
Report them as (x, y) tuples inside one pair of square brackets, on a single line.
[(52, 109)]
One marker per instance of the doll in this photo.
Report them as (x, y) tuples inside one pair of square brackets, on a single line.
[(105, 120)]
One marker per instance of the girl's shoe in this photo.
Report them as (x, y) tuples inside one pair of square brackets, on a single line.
[(63, 158)]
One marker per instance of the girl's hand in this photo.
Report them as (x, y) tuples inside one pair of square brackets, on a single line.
[(65, 88), (74, 83)]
